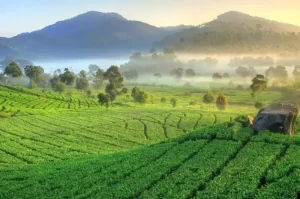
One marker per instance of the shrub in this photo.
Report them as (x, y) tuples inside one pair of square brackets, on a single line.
[(173, 102), (243, 120), (59, 87), (163, 100), (124, 90), (208, 98), (89, 93), (139, 95), (103, 99), (222, 102)]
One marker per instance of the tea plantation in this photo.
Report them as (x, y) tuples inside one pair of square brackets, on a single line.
[(53, 146)]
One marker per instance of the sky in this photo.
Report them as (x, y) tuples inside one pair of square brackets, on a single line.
[(18, 16)]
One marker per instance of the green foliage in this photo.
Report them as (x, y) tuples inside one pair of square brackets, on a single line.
[(217, 76), (82, 82), (35, 74), (243, 71), (139, 95), (243, 120), (98, 79), (222, 102), (124, 90), (53, 81), (104, 99), (32, 84), (163, 100), (278, 74), (226, 76), (173, 102), (177, 73), (158, 75), (67, 77), (89, 93), (59, 87), (115, 79), (14, 70), (190, 72), (208, 98), (258, 85)]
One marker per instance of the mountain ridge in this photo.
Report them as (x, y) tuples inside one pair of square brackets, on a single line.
[(95, 32)]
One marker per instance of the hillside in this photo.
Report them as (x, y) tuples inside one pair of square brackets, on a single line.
[(208, 163), (238, 33), (57, 145), (88, 33)]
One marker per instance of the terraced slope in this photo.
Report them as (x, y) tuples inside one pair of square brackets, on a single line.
[(21, 101), (39, 138), (213, 162)]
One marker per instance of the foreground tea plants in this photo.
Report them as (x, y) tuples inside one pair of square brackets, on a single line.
[(207, 163)]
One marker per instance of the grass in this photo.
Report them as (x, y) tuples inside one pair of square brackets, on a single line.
[(60, 146)]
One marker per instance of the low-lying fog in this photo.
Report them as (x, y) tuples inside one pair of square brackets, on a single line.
[(147, 66), (76, 65)]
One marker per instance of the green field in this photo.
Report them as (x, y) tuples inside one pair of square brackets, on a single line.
[(58, 146)]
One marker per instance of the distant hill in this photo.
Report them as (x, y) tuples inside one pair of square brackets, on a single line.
[(21, 62), (252, 21), (233, 29), (174, 29), (91, 32)]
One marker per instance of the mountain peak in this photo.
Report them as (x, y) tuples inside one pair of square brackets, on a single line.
[(235, 16), (95, 14)]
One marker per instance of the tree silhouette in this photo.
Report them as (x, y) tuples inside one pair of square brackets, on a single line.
[(258, 85), (14, 70)]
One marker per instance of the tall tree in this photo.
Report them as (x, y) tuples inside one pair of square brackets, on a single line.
[(139, 95), (33, 73), (14, 70), (259, 84), (115, 80), (82, 82), (279, 73), (103, 99), (97, 79), (177, 73), (217, 76), (93, 68), (190, 72), (208, 98), (67, 77), (243, 71), (222, 102)]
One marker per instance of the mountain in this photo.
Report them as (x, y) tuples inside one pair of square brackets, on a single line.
[(229, 27), (252, 21), (88, 33)]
